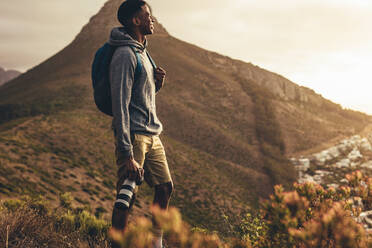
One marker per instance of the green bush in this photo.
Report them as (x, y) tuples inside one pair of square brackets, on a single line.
[(85, 223), (65, 200), (12, 204)]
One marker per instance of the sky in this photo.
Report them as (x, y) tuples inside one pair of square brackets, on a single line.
[(325, 45)]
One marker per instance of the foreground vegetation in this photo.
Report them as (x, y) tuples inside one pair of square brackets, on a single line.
[(308, 216), (33, 222)]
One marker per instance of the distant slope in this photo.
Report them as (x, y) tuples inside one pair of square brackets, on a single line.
[(7, 75), (228, 127)]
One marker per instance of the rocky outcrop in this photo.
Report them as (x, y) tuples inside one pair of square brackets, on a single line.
[(351, 153), (329, 166), (275, 83), (366, 219)]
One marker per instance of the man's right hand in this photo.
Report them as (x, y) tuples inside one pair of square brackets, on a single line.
[(133, 169)]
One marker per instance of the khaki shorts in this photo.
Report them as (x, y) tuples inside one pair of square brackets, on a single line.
[(148, 151)]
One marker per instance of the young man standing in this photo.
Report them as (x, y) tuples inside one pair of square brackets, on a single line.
[(139, 151)]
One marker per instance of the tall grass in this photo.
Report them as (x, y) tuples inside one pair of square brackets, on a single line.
[(32, 222)]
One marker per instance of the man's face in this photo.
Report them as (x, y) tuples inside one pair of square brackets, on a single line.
[(147, 22)]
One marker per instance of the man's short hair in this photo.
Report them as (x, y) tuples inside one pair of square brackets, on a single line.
[(128, 9)]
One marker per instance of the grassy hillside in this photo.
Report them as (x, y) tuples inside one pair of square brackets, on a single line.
[(226, 131)]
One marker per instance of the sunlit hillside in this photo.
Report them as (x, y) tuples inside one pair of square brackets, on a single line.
[(229, 126)]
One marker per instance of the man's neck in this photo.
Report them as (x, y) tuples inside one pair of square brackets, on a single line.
[(138, 36)]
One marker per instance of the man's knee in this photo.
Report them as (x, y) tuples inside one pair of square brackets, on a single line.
[(164, 189)]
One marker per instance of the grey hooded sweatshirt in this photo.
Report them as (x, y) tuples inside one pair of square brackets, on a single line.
[(133, 101)]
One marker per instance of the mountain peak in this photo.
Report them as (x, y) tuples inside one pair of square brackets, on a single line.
[(99, 26)]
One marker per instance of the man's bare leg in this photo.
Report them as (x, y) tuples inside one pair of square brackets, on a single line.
[(120, 219), (163, 193), (162, 196)]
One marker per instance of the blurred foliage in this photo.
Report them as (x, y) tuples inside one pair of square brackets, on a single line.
[(308, 216)]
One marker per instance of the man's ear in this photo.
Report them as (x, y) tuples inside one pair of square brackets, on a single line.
[(136, 21)]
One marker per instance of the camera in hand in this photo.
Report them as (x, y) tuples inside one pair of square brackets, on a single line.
[(125, 194)]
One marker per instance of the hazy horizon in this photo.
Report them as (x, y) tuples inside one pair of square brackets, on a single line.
[(324, 45)]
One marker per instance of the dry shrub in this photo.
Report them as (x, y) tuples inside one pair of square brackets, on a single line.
[(27, 228), (176, 232), (361, 187), (33, 223), (333, 228), (308, 216), (311, 216)]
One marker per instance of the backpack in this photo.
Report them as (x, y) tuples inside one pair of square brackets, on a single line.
[(101, 76)]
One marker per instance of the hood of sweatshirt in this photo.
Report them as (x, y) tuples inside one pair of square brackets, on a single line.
[(120, 37)]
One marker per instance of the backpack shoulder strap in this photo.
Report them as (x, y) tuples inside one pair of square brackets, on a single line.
[(151, 60), (139, 64)]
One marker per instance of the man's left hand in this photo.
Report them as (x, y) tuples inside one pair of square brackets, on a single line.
[(159, 77)]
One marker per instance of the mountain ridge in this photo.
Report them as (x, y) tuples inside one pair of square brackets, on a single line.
[(7, 75)]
